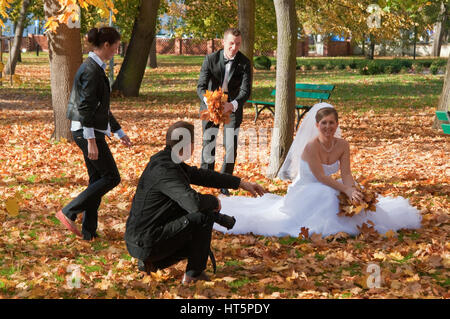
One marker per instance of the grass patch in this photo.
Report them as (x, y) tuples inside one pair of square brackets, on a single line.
[(235, 285), (288, 240), (271, 289), (99, 245), (234, 263), (7, 272), (319, 257), (93, 268), (407, 257), (126, 257), (54, 220)]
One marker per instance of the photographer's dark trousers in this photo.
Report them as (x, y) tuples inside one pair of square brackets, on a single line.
[(230, 143), (188, 237), (103, 176)]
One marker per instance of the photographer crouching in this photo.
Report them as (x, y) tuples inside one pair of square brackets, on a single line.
[(169, 221)]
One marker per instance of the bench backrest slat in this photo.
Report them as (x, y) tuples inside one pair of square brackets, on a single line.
[(309, 95), (312, 95), (318, 87), (443, 116), (446, 128)]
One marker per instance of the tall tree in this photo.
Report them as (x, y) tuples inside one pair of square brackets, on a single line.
[(246, 14), (444, 100), (377, 20), (152, 61), (209, 19), (130, 76), (16, 47), (65, 57), (285, 83), (152, 58), (439, 30)]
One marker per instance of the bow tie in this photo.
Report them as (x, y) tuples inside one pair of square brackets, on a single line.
[(225, 61)]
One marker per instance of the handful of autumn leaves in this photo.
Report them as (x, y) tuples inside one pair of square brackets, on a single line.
[(214, 113), (349, 208)]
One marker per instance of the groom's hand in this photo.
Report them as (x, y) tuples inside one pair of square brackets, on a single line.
[(228, 107), (253, 188)]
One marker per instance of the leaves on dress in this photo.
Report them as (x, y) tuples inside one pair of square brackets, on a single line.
[(349, 208)]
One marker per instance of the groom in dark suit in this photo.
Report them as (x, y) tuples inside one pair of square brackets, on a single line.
[(229, 69), (169, 221)]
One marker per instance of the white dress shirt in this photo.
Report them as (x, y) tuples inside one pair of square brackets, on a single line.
[(88, 132), (226, 79)]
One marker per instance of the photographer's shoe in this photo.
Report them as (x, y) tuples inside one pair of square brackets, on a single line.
[(188, 279), (225, 191)]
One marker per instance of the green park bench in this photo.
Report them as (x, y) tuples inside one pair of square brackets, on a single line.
[(302, 90), (445, 117)]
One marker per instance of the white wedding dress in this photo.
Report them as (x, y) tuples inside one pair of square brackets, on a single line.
[(311, 204)]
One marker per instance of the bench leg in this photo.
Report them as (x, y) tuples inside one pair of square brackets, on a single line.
[(263, 108), (298, 119), (300, 116), (257, 112)]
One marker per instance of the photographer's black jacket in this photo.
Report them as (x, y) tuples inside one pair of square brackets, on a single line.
[(164, 196)]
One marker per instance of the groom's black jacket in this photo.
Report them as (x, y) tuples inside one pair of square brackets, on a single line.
[(239, 84), (165, 203)]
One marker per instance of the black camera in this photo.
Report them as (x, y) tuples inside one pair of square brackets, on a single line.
[(224, 220)]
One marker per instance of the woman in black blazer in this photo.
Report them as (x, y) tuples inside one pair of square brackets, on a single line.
[(91, 120)]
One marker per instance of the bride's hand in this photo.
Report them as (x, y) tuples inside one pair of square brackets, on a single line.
[(253, 188), (354, 195)]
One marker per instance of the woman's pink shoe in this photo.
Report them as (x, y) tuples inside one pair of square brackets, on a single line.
[(70, 225)]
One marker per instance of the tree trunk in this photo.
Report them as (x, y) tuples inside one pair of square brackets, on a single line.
[(130, 76), (439, 31), (15, 50), (246, 16), (372, 48), (282, 135), (415, 42), (152, 62), (364, 45), (444, 100), (65, 57), (19, 58)]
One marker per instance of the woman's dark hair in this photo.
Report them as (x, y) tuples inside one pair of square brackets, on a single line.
[(98, 36), (325, 112), (186, 126)]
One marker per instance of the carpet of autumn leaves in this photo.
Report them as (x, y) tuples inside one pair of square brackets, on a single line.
[(393, 147)]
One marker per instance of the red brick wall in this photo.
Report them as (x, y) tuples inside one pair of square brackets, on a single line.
[(337, 48), (165, 46), (302, 48), (188, 46)]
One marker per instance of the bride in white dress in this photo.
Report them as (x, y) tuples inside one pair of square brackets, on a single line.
[(311, 200)]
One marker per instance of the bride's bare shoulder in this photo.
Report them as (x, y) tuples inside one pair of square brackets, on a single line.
[(342, 143), (310, 148)]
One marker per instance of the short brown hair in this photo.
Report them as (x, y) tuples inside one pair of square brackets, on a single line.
[(234, 31), (325, 112), (170, 140)]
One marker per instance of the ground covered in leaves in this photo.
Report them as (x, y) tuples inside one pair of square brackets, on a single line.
[(387, 120)]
